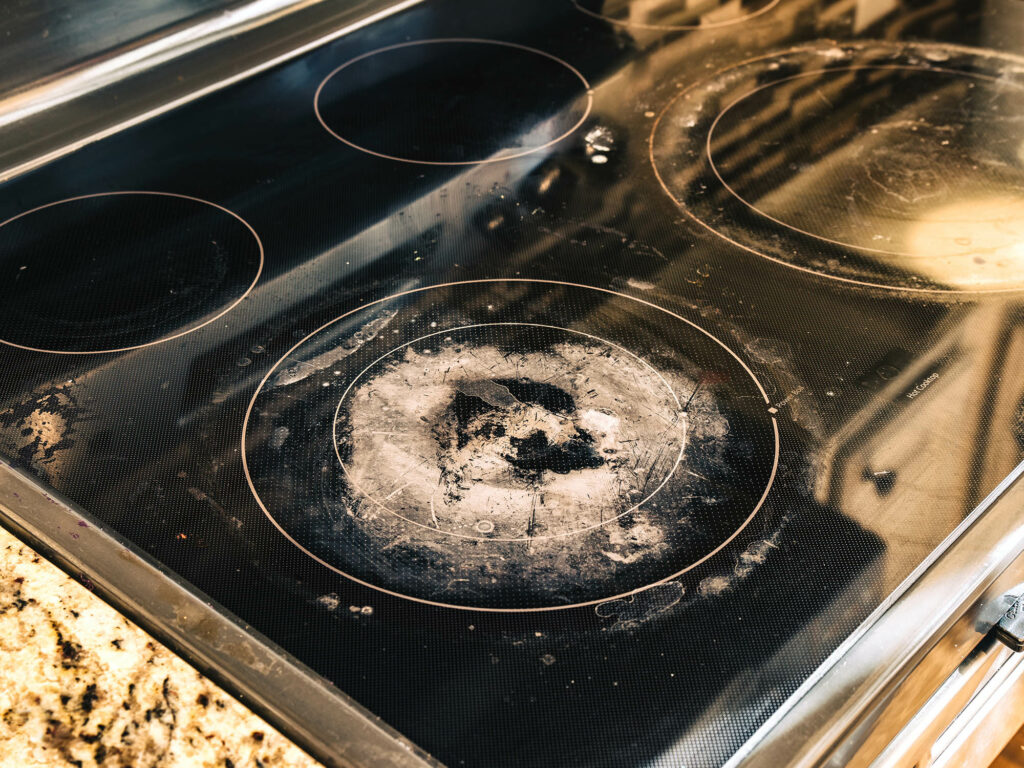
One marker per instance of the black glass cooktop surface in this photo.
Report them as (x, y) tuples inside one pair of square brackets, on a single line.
[(563, 381)]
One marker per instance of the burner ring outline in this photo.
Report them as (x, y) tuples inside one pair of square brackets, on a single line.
[(852, 48), (161, 340), (543, 609), (430, 41), (381, 505), (811, 73)]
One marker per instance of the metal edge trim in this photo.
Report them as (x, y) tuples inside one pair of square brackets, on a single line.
[(849, 715), (168, 52), (321, 719), (140, 55)]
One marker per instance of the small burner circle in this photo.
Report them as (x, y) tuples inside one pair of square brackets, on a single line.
[(759, 7), (140, 268), (485, 453), (431, 366), (896, 166), (463, 112)]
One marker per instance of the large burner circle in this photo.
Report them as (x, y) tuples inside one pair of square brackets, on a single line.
[(510, 445), (897, 166)]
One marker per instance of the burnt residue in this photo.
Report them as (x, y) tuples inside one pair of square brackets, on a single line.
[(634, 610), (482, 410), (41, 428), (546, 395), (564, 482), (478, 460), (89, 698), (536, 453), (465, 413)]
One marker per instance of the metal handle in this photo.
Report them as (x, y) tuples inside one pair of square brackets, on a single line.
[(911, 748), (1010, 629)]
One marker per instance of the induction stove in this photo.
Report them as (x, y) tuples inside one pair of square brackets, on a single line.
[(561, 383)]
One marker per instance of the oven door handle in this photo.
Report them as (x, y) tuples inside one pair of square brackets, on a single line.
[(911, 747)]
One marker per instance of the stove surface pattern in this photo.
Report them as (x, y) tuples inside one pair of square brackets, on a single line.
[(563, 383)]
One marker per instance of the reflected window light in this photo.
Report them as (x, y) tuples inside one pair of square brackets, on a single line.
[(972, 244)]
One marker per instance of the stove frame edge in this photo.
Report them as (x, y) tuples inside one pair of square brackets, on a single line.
[(325, 722), (43, 121), (864, 701)]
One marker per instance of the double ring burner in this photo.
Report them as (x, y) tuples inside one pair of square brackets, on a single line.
[(891, 166), (510, 445)]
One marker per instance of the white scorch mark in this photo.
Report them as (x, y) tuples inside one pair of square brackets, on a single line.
[(540, 444), (473, 471)]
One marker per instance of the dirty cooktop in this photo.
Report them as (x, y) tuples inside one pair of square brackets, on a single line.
[(563, 381)]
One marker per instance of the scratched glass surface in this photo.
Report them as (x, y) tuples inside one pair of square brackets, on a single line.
[(587, 399)]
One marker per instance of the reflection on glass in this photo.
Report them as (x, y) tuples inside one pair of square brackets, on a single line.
[(888, 155), (877, 165), (972, 244), (673, 14), (942, 431)]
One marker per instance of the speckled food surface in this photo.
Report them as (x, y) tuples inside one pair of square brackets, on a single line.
[(82, 686)]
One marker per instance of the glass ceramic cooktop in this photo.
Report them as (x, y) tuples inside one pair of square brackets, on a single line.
[(563, 381)]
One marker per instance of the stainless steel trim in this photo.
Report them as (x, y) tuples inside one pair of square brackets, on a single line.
[(986, 725), (913, 744), (118, 89), (141, 55), (328, 724), (870, 688), (970, 718)]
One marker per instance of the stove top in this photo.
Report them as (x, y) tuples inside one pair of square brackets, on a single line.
[(563, 381)]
